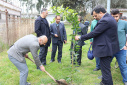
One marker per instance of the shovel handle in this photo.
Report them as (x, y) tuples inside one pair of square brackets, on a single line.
[(30, 59), (50, 76)]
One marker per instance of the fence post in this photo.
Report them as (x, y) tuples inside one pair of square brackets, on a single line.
[(6, 13)]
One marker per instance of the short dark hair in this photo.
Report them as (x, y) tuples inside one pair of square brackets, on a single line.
[(115, 11), (98, 9), (57, 16), (43, 10)]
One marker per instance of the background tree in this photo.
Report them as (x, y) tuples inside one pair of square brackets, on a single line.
[(118, 3), (79, 5), (114, 3), (29, 5), (42, 4)]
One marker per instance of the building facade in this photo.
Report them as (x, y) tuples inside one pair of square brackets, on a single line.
[(12, 10)]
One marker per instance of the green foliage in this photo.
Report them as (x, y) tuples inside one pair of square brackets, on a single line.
[(39, 4), (29, 4), (57, 10), (3, 46), (53, 20), (72, 4)]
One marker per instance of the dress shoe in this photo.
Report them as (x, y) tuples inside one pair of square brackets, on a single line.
[(96, 69), (125, 83), (28, 83)]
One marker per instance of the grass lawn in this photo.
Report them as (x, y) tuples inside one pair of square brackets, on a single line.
[(83, 75)]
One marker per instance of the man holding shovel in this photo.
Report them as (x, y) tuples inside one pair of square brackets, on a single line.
[(19, 50)]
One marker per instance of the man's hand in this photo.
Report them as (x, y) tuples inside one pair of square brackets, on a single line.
[(42, 68), (77, 37), (26, 56), (56, 35), (65, 41)]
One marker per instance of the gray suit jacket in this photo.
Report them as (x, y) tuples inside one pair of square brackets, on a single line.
[(83, 31), (53, 30), (28, 43)]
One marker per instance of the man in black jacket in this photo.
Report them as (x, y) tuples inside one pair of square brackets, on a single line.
[(42, 28), (105, 41)]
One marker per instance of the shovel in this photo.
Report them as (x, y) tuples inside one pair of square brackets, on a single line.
[(59, 82)]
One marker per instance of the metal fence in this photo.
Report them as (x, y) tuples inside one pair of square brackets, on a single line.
[(13, 28)]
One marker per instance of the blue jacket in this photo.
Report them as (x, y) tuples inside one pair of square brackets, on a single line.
[(105, 42)]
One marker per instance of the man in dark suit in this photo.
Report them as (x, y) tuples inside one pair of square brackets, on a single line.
[(83, 30), (105, 42), (59, 36), (42, 28)]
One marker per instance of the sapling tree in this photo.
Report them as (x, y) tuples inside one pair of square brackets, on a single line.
[(71, 16)]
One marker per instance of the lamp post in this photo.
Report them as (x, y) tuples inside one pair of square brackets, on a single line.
[(108, 6)]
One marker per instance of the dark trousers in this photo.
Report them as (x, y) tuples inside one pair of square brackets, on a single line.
[(43, 54), (97, 62), (59, 44), (105, 69)]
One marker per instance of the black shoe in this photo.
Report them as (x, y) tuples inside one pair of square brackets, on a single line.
[(28, 83), (96, 69), (125, 83)]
